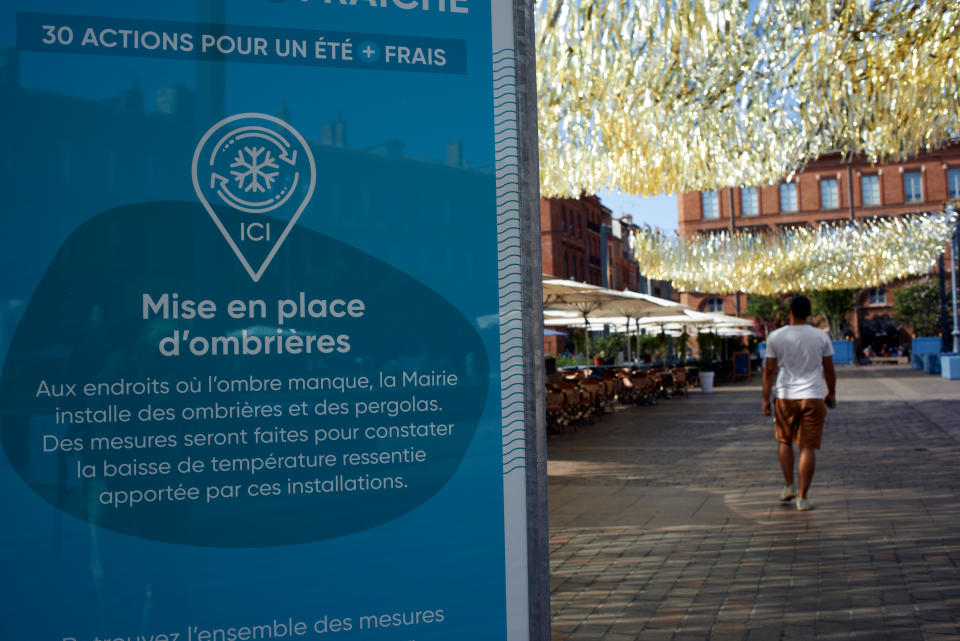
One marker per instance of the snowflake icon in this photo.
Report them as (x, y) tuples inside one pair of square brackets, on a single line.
[(253, 169)]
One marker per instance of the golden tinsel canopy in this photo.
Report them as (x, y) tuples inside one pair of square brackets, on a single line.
[(663, 96), (850, 255)]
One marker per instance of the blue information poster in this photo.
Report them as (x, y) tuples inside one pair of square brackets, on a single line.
[(260, 321)]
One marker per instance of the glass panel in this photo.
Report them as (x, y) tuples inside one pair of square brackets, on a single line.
[(788, 197), (711, 205), (749, 203), (912, 186), (953, 182), (829, 194), (870, 186)]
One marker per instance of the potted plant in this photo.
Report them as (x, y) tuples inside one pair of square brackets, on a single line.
[(708, 353)]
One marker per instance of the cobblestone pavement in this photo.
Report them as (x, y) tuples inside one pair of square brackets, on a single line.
[(665, 523)]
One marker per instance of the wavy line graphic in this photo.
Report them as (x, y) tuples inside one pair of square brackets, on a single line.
[(513, 450), (509, 260)]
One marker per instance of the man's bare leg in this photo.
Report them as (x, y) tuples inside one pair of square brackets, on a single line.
[(785, 451), (808, 463)]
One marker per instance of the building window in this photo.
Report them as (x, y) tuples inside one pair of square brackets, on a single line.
[(715, 305), (877, 296), (566, 265), (953, 182), (788, 197), (711, 205), (749, 204), (563, 220), (829, 194), (912, 186), (870, 186)]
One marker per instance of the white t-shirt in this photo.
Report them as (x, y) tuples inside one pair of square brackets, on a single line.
[(799, 350)]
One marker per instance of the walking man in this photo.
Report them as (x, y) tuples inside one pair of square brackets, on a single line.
[(799, 358)]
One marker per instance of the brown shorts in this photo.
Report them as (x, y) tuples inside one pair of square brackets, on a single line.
[(800, 421)]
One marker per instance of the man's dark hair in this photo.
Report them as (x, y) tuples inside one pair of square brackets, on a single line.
[(800, 307)]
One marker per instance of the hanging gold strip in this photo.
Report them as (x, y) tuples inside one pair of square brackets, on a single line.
[(663, 96), (853, 255)]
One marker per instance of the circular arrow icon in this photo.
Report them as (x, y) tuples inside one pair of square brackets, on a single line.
[(256, 164)]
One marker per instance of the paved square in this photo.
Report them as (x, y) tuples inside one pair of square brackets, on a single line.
[(665, 523)]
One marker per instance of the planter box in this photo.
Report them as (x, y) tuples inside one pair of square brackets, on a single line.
[(931, 363), (843, 352), (950, 366), (923, 345)]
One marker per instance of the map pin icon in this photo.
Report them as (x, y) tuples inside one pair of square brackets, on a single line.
[(254, 174)]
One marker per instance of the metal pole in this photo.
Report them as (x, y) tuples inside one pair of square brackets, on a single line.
[(538, 539), (586, 337), (733, 224), (733, 230), (850, 188), (629, 357), (637, 321), (954, 251), (944, 323)]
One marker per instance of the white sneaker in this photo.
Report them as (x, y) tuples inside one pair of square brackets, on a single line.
[(789, 491), (803, 505)]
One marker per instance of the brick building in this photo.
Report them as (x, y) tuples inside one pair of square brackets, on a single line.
[(579, 235), (576, 236), (829, 190), (581, 240)]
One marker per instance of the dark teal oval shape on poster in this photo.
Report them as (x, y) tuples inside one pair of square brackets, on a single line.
[(333, 395)]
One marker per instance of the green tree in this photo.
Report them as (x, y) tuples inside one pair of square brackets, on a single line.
[(768, 312), (607, 346), (918, 307), (653, 345), (832, 306)]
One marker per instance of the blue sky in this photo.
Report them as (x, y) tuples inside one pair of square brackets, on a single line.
[(656, 211)]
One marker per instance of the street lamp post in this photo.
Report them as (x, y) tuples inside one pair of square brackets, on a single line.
[(954, 250)]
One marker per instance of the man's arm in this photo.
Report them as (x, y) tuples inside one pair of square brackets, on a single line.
[(769, 378), (830, 375)]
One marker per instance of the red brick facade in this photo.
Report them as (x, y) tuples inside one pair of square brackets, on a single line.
[(572, 241), (935, 175)]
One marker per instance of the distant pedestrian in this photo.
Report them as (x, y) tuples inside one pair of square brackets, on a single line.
[(799, 357)]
